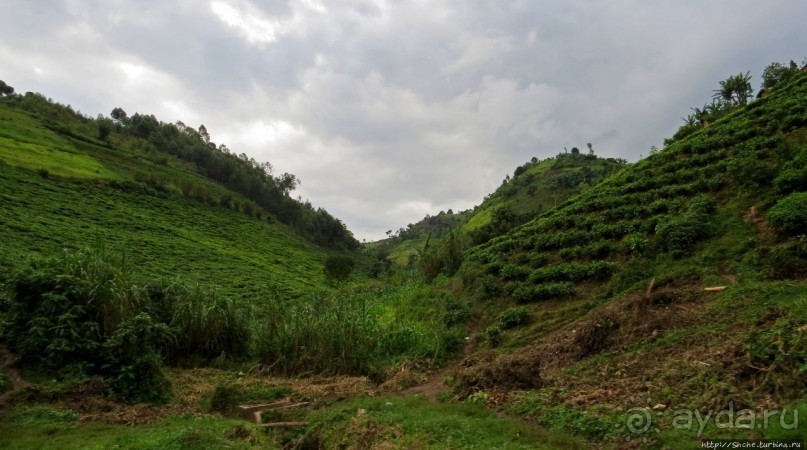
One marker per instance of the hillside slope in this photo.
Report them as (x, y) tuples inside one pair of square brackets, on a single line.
[(536, 186), (63, 189), (678, 282), (685, 198)]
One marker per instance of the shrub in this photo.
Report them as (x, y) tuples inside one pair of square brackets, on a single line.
[(793, 176), (64, 307), (487, 287), (338, 268), (84, 314), (514, 272), (702, 204), (679, 234), (493, 334), (456, 312), (513, 317), (635, 243), (133, 365), (789, 215), (525, 294), (225, 398)]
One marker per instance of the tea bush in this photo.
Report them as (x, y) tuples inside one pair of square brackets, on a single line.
[(789, 215)]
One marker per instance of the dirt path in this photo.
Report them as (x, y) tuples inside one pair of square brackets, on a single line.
[(434, 383), (7, 360)]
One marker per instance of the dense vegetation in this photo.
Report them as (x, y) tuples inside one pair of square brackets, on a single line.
[(121, 260), (156, 140), (536, 186), (668, 203), (577, 291)]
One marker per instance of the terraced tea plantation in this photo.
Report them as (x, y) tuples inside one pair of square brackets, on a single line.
[(671, 205)]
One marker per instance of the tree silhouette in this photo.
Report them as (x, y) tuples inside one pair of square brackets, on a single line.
[(5, 89), (119, 114)]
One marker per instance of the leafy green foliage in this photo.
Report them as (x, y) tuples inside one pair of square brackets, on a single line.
[(203, 323), (493, 335), (777, 73), (445, 257), (735, 90), (5, 89), (793, 176), (544, 291), (84, 314), (338, 267), (789, 215), (514, 317), (577, 421), (132, 360), (786, 261), (677, 201), (678, 235)]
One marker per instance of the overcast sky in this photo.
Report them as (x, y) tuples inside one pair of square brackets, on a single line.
[(391, 110)]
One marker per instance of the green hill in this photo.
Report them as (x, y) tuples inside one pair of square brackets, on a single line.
[(694, 196), (536, 186), (583, 294), (132, 245), (678, 280), (405, 246), (63, 190)]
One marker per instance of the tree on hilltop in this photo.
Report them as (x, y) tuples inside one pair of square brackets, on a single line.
[(5, 89), (734, 90), (119, 114), (777, 73)]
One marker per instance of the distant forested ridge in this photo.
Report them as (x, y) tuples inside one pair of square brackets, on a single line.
[(238, 172)]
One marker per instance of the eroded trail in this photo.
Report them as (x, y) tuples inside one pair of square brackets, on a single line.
[(435, 381)]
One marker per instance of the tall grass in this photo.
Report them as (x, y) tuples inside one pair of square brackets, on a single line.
[(340, 333), (204, 323)]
